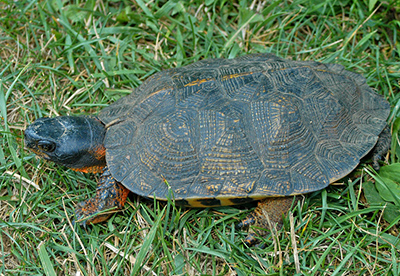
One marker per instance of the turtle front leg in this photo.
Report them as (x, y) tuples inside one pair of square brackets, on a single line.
[(109, 195), (267, 214)]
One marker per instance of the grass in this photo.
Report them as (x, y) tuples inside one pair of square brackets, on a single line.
[(75, 57)]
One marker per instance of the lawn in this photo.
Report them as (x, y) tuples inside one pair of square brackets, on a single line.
[(76, 57)]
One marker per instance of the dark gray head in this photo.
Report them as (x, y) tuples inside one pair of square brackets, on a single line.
[(75, 142)]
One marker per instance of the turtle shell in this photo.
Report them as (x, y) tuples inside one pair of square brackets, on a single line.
[(226, 131)]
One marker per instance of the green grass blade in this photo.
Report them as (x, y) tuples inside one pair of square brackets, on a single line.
[(45, 260), (144, 250)]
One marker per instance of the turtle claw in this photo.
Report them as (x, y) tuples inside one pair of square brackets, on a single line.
[(80, 214), (109, 195), (91, 211), (81, 223)]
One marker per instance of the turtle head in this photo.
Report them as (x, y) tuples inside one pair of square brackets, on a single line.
[(75, 142)]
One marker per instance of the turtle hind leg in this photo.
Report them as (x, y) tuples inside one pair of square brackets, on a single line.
[(382, 147), (267, 215), (109, 195)]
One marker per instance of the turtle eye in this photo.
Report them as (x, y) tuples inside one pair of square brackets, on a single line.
[(46, 146)]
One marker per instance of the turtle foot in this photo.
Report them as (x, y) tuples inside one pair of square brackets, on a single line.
[(110, 196), (267, 215), (91, 212)]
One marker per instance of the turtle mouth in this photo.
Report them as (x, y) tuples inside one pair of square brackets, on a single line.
[(39, 153)]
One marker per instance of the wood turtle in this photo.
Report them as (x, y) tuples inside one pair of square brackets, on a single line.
[(222, 132)]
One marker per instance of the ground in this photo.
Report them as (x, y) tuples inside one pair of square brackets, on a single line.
[(75, 57)]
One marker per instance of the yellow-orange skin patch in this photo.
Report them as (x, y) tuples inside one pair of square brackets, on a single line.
[(93, 169), (99, 153)]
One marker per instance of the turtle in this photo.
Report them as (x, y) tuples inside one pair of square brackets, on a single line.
[(222, 132)]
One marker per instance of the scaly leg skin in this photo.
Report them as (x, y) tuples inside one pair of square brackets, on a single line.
[(267, 214), (382, 147), (109, 194)]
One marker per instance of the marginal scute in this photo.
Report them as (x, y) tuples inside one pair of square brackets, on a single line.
[(208, 202), (228, 131), (240, 200)]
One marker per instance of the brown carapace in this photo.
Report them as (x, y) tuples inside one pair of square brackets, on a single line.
[(222, 132)]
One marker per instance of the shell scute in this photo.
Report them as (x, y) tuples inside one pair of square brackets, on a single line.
[(230, 131)]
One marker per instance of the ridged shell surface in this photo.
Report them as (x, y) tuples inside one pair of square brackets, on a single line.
[(223, 131)]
